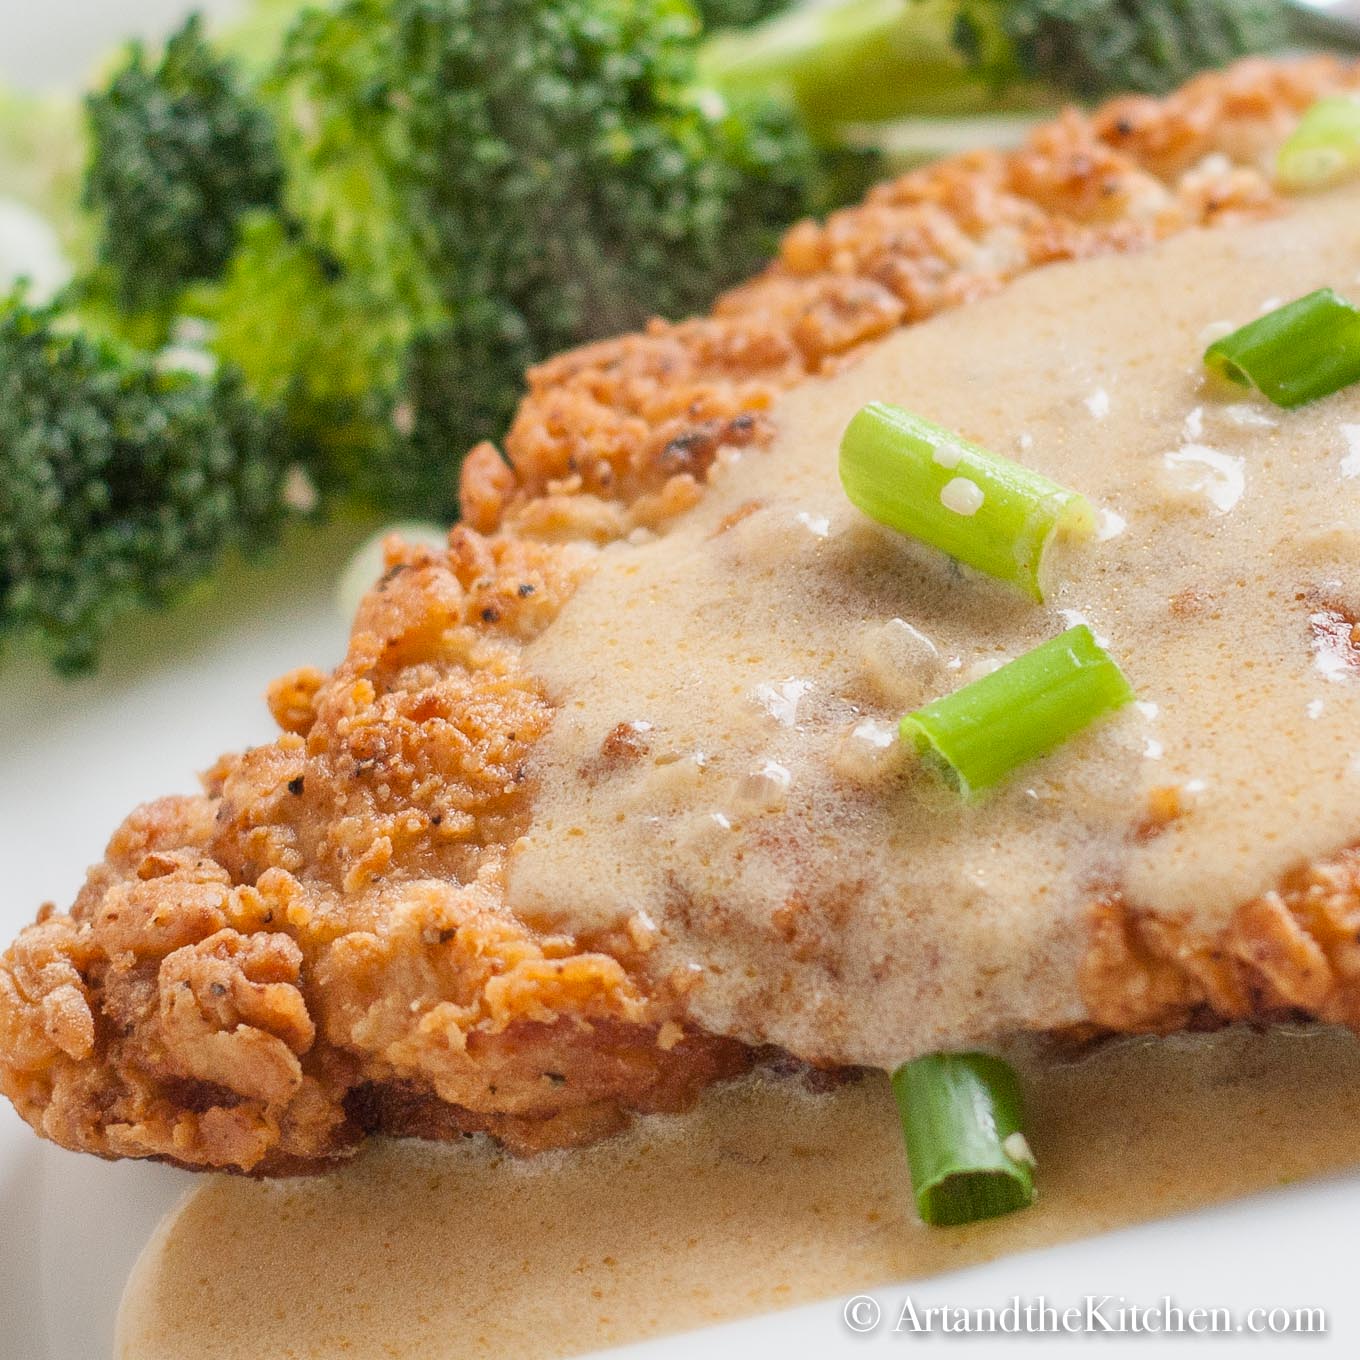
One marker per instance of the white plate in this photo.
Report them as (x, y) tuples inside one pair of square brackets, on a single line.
[(56, 42), (174, 693)]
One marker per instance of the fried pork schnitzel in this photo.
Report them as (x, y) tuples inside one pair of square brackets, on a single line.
[(595, 812)]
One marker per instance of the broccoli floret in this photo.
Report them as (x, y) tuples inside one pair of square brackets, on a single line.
[(361, 391), (179, 151), (313, 345), (853, 61), (368, 400), (512, 177), (120, 484), (1097, 47)]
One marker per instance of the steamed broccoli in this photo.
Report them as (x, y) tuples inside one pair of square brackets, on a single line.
[(344, 366), (467, 186), (507, 178), (119, 484), (309, 342), (851, 61), (179, 151), (1092, 48)]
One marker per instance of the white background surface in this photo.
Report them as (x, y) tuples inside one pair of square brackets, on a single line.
[(46, 42), (175, 692)]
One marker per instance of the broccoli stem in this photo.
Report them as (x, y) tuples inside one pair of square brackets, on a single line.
[(871, 61), (122, 482), (180, 151), (856, 61)]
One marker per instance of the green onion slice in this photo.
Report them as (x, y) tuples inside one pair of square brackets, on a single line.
[(978, 507), (961, 1117), (1298, 353), (982, 732), (1325, 147)]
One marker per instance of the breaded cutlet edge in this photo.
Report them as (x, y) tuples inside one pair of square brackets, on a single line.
[(318, 947)]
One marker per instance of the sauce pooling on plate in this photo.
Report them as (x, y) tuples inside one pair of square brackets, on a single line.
[(761, 833), (761, 1198)]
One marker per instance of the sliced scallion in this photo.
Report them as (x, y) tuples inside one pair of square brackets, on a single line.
[(1325, 147), (1298, 353), (982, 509), (961, 1117), (982, 732)]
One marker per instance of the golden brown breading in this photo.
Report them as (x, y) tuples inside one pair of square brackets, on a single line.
[(318, 946), (247, 974), (619, 420), (1295, 950)]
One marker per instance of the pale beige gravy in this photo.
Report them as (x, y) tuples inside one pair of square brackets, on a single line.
[(858, 913), (761, 1198)]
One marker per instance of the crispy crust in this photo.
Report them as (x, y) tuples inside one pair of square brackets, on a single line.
[(1293, 952), (614, 423), (318, 946)]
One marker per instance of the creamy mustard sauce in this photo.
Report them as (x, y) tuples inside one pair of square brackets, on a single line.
[(761, 1198), (769, 841)]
